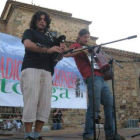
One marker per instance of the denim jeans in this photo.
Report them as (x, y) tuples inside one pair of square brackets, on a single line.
[(56, 126), (102, 95)]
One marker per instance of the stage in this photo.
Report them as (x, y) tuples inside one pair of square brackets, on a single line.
[(75, 134)]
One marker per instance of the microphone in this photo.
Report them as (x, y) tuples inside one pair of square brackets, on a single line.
[(131, 37), (60, 39), (98, 50)]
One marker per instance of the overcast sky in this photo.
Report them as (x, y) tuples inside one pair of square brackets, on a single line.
[(111, 19)]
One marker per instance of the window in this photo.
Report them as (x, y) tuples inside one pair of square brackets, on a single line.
[(54, 33)]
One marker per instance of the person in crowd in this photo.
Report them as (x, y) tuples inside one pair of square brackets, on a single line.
[(36, 74), (57, 119), (10, 122), (19, 121), (4, 124)]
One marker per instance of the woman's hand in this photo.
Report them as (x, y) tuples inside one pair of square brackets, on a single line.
[(63, 46), (54, 49)]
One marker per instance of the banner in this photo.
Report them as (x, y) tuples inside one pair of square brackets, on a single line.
[(69, 89)]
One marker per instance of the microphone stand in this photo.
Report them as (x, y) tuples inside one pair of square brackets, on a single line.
[(91, 49), (93, 105), (116, 136)]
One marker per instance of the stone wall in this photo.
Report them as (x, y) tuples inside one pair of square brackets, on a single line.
[(2, 26), (20, 19), (73, 118), (127, 90)]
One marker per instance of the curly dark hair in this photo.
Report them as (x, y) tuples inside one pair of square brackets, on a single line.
[(36, 17)]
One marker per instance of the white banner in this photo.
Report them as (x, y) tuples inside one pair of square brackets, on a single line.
[(69, 89)]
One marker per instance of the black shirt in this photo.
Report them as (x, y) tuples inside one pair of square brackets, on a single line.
[(57, 118), (35, 59)]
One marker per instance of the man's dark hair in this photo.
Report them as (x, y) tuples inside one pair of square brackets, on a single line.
[(83, 32), (36, 17)]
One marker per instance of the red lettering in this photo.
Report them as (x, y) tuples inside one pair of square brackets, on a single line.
[(7, 68), (17, 71), (69, 80), (2, 66), (12, 69), (74, 80), (56, 77), (60, 78), (65, 78), (14, 74)]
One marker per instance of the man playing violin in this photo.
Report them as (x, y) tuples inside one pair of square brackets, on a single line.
[(101, 89)]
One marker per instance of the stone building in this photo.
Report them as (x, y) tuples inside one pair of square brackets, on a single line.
[(15, 19)]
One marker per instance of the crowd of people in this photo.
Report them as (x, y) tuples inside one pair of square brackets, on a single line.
[(13, 121)]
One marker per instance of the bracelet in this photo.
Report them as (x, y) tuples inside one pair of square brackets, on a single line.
[(47, 50), (39, 45), (42, 46)]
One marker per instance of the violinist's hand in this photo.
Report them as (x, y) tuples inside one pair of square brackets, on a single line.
[(63, 46), (85, 51), (54, 49)]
